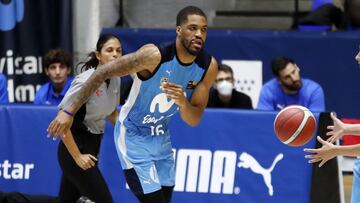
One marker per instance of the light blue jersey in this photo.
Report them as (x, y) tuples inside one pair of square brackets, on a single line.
[(141, 135)]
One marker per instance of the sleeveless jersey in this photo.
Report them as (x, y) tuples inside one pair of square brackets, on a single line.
[(148, 110)]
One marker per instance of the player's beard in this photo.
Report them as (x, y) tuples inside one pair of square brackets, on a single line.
[(295, 86), (187, 45)]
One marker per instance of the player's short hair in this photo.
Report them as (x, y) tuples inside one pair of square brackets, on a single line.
[(57, 56), (189, 10), (227, 69), (278, 64)]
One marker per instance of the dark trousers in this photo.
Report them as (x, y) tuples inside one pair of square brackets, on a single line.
[(16, 197), (76, 182)]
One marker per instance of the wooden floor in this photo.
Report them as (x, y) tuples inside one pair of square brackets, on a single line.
[(347, 186)]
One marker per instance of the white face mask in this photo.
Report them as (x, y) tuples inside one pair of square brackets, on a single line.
[(224, 88)]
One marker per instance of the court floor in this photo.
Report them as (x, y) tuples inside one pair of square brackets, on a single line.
[(347, 179)]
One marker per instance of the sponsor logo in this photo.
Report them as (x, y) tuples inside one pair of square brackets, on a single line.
[(161, 101), (11, 11), (248, 161), (151, 119), (15, 170), (164, 80), (22, 66), (204, 171), (191, 84)]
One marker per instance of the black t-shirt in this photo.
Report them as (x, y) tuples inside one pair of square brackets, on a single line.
[(238, 100)]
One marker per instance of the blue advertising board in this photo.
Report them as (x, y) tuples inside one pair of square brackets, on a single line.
[(231, 156)]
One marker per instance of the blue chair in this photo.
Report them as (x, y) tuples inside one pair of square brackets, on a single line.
[(314, 27), (317, 3)]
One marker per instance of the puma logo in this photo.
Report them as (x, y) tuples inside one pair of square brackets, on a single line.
[(248, 161)]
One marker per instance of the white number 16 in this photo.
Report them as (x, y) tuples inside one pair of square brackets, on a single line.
[(157, 130)]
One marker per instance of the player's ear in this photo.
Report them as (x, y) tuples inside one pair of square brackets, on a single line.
[(178, 29)]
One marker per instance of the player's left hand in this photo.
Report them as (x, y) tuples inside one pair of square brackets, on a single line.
[(336, 131), (323, 154), (175, 92)]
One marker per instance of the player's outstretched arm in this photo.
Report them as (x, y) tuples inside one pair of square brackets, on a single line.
[(323, 154), (143, 60), (329, 151), (191, 112), (339, 128)]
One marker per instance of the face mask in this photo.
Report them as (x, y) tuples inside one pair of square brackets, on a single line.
[(224, 88)]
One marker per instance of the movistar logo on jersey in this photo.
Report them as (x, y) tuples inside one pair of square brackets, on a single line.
[(11, 12)]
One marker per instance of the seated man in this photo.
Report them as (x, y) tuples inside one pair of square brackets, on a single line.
[(289, 88), (4, 99), (57, 65), (224, 94)]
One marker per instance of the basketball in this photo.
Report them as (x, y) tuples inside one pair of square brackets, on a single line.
[(294, 125)]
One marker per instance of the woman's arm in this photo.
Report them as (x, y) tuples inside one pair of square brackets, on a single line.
[(84, 161)]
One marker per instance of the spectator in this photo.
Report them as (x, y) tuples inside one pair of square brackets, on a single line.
[(57, 65), (224, 95), (4, 99), (288, 88)]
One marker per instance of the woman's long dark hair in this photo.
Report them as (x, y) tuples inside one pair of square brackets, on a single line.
[(92, 61)]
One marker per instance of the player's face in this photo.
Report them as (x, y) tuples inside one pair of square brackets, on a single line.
[(110, 51), (57, 73), (289, 78), (192, 33)]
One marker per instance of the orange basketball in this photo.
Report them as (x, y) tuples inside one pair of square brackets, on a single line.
[(295, 125)]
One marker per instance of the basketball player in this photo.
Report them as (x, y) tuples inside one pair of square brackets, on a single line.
[(329, 150), (168, 78)]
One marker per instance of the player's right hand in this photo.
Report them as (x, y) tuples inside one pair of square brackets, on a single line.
[(60, 125), (85, 161), (323, 154), (336, 131)]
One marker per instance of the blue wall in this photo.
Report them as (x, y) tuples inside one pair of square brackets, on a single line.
[(326, 57)]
